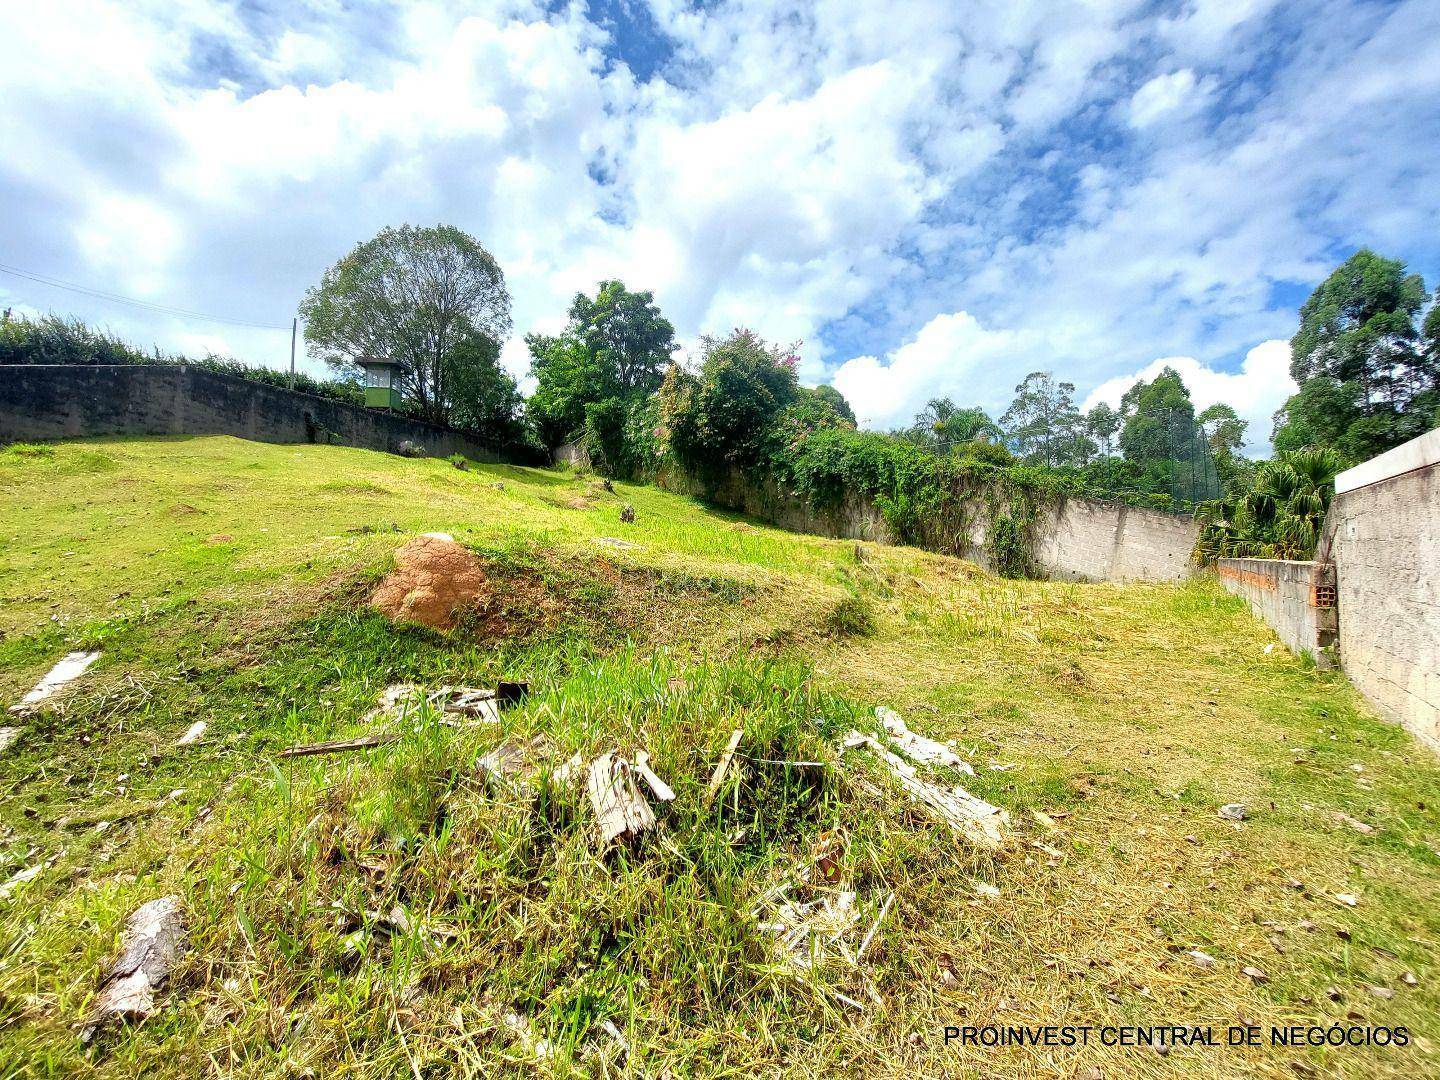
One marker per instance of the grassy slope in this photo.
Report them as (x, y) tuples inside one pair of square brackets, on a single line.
[(222, 580)]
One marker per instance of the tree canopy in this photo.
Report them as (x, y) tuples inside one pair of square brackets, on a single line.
[(614, 347), (412, 296), (1368, 375), (1043, 424)]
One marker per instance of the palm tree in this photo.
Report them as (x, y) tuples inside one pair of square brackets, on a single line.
[(1280, 517)]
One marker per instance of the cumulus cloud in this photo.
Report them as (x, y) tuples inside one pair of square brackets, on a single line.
[(937, 198), (1255, 392), (1161, 95), (942, 360)]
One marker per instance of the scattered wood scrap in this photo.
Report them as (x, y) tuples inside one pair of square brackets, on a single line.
[(663, 791), (338, 746), (67, 670), (815, 917), (918, 747), (621, 812), (511, 759), (154, 938), (975, 819), (718, 777), (8, 735)]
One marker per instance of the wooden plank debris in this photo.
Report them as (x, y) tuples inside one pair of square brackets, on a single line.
[(511, 759), (663, 791), (718, 777), (621, 812), (69, 668), (154, 938), (975, 819), (918, 747), (338, 746)]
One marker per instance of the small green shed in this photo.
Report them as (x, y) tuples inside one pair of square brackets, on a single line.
[(381, 377)]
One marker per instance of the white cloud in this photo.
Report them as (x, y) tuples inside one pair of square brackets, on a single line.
[(1162, 95), (1255, 392), (839, 174), (951, 356)]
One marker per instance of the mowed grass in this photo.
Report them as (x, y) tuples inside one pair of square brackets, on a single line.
[(225, 581)]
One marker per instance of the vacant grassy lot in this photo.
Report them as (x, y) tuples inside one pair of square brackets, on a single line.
[(225, 581)]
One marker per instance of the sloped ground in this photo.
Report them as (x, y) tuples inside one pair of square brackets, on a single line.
[(225, 581)]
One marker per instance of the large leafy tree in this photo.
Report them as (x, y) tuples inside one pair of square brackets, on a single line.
[(412, 296), (627, 333), (614, 348), (836, 400), (1224, 434), (1043, 424), (1369, 377), (1157, 415), (486, 398), (725, 413)]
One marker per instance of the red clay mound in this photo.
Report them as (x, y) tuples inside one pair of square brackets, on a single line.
[(434, 577)]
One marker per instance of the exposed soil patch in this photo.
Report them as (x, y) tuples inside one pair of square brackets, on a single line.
[(433, 579)]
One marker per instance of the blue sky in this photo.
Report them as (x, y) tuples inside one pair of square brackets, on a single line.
[(936, 198)]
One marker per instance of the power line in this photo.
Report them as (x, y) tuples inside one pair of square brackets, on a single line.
[(102, 294)]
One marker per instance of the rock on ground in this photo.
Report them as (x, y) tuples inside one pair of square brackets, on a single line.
[(434, 577)]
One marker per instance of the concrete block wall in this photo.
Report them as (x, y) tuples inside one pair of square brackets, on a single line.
[(1297, 599), (72, 401), (1383, 533), (1082, 539), (1076, 539)]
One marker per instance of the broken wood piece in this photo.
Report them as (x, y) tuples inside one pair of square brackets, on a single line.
[(339, 746), (973, 818), (663, 791), (8, 735), (919, 747), (621, 812), (568, 771), (192, 733), (884, 910), (154, 938), (510, 758), (69, 668), (718, 777)]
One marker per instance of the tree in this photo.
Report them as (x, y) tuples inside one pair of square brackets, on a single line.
[(836, 400), (613, 348), (942, 425), (1102, 424), (1279, 517), (1155, 412), (1043, 424), (625, 331), (726, 412), (411, 296), (486, 399), (569, 377), (1369, 378), (1223, 429)]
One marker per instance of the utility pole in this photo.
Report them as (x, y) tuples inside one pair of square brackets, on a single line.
[(294, 326)]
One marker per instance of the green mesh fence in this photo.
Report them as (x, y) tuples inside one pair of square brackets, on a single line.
[(1193, 478)]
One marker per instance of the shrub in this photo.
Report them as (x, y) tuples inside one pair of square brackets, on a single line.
[(853, 616)]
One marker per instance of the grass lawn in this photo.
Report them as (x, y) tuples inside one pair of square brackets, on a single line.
[(225, 581)]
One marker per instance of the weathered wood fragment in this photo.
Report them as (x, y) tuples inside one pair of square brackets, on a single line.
[(621, 812), (663, 791), (70, 667), (918, 747), (154, 938), (339, 746), (977, 820), (511, 759), (718, 777)]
